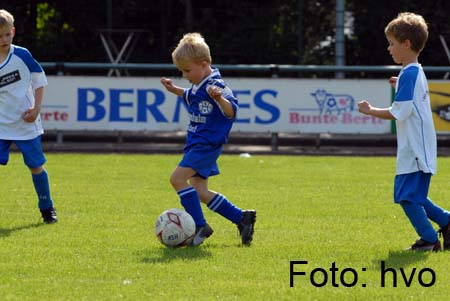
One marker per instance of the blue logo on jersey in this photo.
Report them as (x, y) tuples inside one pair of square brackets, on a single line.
[(205, 107)]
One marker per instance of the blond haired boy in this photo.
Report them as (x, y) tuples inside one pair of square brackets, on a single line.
[(212, 109), (22, 82)]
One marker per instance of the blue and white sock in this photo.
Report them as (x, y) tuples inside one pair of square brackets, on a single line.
[(224, 207), (191, 203), (42, 187)]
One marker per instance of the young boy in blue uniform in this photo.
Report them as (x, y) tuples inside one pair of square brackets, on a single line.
[(22, 82), (212, 109), (416, 136)]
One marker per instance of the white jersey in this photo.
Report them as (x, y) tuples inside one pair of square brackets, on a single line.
[(20, 76), (416, 136)]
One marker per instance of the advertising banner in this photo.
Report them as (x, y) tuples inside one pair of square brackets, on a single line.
[(440, 105), (265, 105)]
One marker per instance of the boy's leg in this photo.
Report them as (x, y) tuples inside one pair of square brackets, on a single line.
[(188, 195), (418, 218), (4, 151), (45, 202), (220, 204), (42, 187), (191, 202), (244, 219), (440, 217), (34, 158), (409, 191), (436, 213), (215, 201)]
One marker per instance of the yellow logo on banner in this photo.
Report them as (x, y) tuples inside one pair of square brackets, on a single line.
[(440, 105)]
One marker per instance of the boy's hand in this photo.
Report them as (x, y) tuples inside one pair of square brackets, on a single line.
[(30, 115), (215, 92), (393, 81), (167, 83), (364, 107), (225, 105)]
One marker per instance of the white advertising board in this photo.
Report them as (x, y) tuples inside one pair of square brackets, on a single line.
[(265, 105)]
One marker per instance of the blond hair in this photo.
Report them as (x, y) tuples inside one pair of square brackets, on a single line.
[(409, 26), (191, 47), (6, 19)]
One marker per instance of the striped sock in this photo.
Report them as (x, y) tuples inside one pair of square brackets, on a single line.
[(220, 204), (191, 203)]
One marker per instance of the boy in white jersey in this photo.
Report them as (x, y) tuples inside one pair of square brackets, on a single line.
[(212, 109), (416, 137), (22, 82)]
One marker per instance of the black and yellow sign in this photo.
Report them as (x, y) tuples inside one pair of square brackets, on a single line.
[(440, 105)]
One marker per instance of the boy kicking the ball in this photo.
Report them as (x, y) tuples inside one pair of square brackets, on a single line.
[(22, 82), (212, 109), (416, 137)]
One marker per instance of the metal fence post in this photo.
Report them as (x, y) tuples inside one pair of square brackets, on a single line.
[(274, 142)]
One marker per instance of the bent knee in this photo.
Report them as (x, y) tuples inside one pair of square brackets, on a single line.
[(37, 170), (177, 182)]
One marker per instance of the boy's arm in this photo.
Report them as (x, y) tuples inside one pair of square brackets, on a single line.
[(31, 114), (216, 94), (365, 108), (168, 84)]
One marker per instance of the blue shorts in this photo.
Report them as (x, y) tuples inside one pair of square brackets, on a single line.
[(203, 159), (412, 187), (32, 153)]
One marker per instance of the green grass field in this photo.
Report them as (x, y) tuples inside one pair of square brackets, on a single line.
[(322, 210)]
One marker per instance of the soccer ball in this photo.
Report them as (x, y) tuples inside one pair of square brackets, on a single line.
[(175, 228)]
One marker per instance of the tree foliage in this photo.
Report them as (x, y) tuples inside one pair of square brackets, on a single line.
[(368, 46), (238, 32)]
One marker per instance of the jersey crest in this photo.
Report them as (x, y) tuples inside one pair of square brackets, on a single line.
[(205, 107)]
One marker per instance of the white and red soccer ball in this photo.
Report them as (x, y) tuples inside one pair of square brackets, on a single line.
[(175, 228)]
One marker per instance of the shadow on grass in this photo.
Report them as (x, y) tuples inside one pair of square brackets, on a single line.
[(400, 259), (161, 254), (4, 232)]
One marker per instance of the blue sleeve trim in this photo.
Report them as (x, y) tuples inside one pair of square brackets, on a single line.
[(406, 85), (186, 96), (28, 59)]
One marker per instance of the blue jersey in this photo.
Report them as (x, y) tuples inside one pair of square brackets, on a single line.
[(208, 123)]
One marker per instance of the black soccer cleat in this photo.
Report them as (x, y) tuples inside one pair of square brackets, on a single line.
[(422, 245), (445, 233), (49, 215), (201, 233), (247, 226)]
